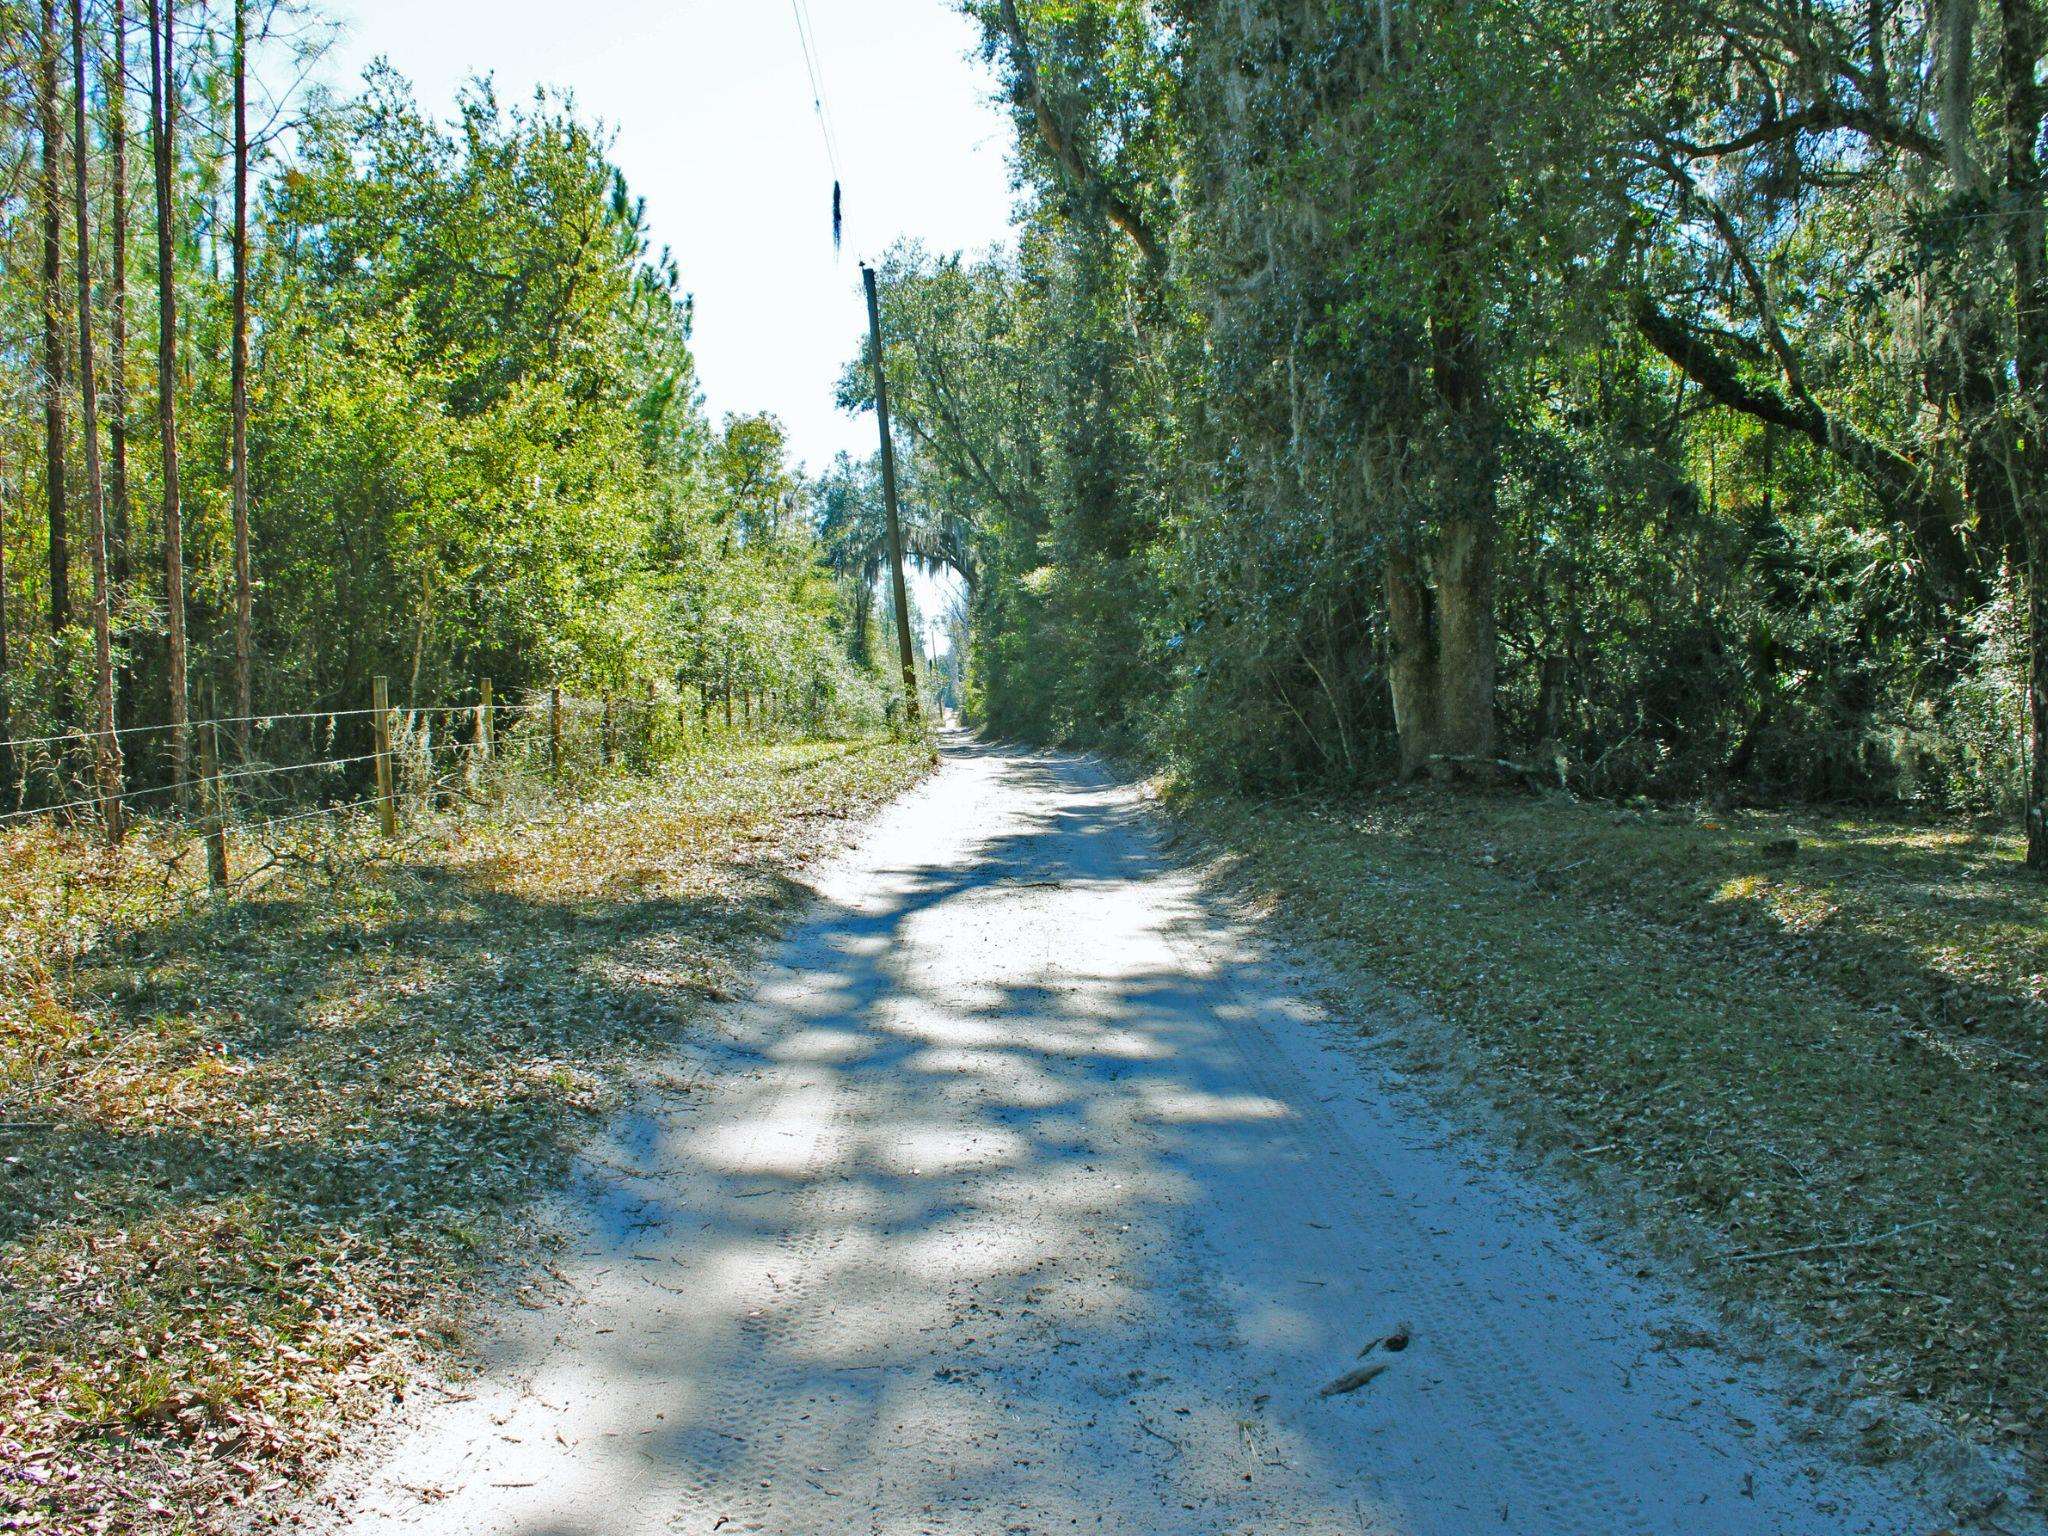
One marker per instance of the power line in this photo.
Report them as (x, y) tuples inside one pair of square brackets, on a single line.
[(824, 96), (806, 37)]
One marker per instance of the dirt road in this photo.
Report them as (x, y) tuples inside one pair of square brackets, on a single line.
[(1032, 1198)]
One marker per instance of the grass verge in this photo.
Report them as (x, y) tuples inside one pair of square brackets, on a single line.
[(1821, 1038), (252, 1150)]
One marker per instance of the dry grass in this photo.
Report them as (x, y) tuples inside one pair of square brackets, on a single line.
[(1793, 1030), (251, 1150)]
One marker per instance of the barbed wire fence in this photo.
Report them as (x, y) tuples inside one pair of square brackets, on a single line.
[(350, 774)]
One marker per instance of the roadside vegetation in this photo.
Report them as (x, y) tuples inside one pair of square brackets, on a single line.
[(1818, 1038), (1644, 401), (256, 1151), (311, 402), (1650, 394), (427, 410)]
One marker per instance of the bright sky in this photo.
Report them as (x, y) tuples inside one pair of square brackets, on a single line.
[(711, 107), (710, 104)]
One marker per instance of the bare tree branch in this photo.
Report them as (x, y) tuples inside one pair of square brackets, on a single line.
[(1085, 177)]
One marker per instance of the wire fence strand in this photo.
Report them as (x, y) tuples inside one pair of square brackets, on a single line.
[(93, 803), (313, 815), (86, 735), (616, 733)]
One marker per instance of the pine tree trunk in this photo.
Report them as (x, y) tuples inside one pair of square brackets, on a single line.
[(863, 614), (120, 533), (163, 116), (2037, 696), (107, 746), (239, 389), (50, 126), (1411, 664), (6, 696)]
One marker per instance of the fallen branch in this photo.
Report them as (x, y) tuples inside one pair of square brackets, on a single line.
[(1168, 1439), (1853, 1242), (1351, 1381), (1532, 775)]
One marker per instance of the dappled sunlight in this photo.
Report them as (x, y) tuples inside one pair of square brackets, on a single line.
[(1276, 1323), (1190, 1106), (945, 1164), (732, 1275), (824, 1045), (939, 1147), (1006, 1219), (969, 1249), (1116, 1044), (1060, 1189), (781, 1140), (933, 1028), (1007, 1076)]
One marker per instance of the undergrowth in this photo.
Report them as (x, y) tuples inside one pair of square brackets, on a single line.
[(254, 1148), (1821, 1038)]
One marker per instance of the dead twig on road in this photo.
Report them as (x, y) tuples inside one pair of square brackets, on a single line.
[(1853, 1242)]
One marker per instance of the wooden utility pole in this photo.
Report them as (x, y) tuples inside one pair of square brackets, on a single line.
[(107, 753), (903, 647)]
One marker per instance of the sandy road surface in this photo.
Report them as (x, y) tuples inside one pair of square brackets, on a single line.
[(1032, 1199)]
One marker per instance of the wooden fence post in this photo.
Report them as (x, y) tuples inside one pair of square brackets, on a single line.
[(555, 730), (387, 781), (604, 740), (486, 727), (216, 807), (110, 801)]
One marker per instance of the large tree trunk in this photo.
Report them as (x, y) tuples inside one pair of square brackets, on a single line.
[(107, 746), (239, 391), (1411, 664), (119, 533), (1444, 644), (2021, 100), (1466, 644), (50, 125), (163, 116), (1441, 645)]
